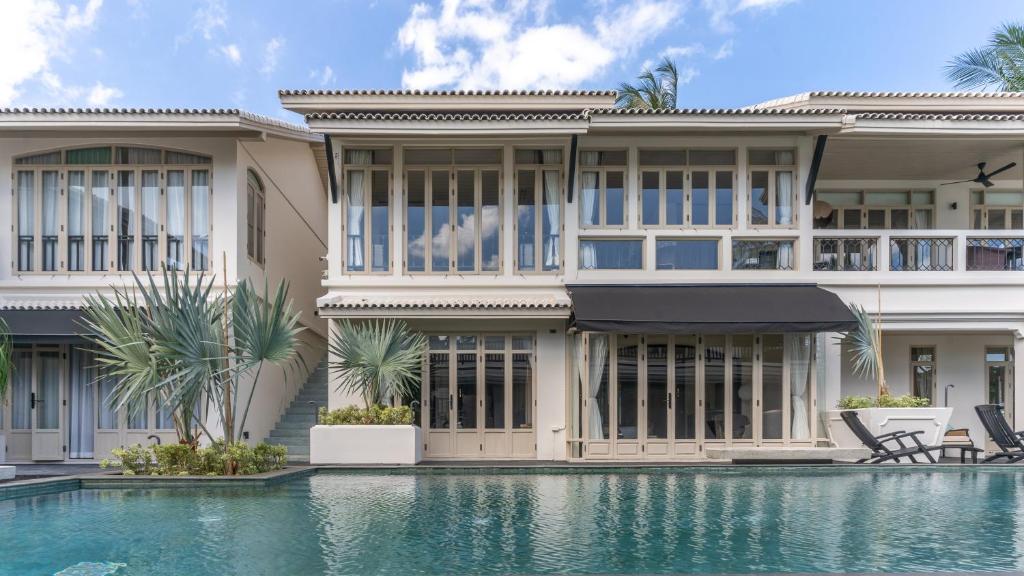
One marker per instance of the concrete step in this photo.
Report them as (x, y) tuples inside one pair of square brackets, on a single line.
[(284, 434)]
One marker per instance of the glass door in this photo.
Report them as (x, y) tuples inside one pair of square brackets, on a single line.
[(655, 399), (82, 404), (47, 397), (467, 435), (686, 401), (998, 384), (626, 395), (438, 398)]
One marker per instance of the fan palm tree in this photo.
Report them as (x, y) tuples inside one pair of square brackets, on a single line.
[(6, 360), (998, 65), (184, 342), (865, 345), (378, 360), (656, 88)]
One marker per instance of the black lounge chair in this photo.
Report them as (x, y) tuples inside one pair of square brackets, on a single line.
[(882, 453), (1010, 443)]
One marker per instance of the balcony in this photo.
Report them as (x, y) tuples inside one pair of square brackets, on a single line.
[(919, 251)]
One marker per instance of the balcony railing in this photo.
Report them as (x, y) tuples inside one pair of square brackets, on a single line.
[(846, 254), (995, 254), (919, 251), (921, 254)]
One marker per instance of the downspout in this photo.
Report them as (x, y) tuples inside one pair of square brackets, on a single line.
[(812, 176)]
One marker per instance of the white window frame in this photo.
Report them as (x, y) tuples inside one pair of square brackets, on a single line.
[(538, 232), (367, 170), (256, 218), (772, 170), (934, 363), (111, 170), (643, 251), (602, 192), (986, 211)]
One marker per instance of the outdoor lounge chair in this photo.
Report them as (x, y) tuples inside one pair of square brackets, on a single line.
[(877, 444), (1010, 443)]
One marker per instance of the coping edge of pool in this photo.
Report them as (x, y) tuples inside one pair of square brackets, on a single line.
[(114, 480)]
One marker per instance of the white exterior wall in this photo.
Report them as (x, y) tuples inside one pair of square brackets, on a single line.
[(295, 242)]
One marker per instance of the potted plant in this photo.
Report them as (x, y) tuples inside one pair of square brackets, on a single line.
[(6, 369), (378, 361), (884, 413)]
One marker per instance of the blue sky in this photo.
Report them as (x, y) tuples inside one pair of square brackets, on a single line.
[(237, 53)]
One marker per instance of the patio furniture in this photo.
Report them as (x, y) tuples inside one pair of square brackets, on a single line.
[(960, 439), (1010, 443), (877, 444)]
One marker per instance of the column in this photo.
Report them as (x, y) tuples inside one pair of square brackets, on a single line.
[(1017, 399)]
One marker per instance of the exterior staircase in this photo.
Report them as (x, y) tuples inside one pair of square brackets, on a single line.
[(292, 430)]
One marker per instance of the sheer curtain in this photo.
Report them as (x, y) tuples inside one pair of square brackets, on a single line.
[(783, 198), (798, 353), (588, 199), (552, 221), (21, 391), (785, 256), (356, 210), (175, 219), (76, 220), (598, 357), (83, 404), (578, 384)]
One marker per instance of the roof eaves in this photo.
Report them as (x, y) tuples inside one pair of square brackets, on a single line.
[(446, 93)]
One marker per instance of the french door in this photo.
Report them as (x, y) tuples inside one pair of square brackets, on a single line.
[(46, 400), (478, 396), (672, 396)]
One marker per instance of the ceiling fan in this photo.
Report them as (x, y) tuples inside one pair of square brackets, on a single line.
[(982, 178)]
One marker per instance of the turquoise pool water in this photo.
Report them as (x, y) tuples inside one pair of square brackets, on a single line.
[(656, 521)]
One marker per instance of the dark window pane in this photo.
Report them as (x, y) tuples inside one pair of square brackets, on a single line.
[(526, 220), (759, 198), (714, 387), (657, 390), (771, 386), (522, 390), (615, 199), (650, 199), (687, 254), (742, 387), (723, 198), (673, 198), (699, 199), (628, 387), (494, 390), (685, 388), (416, 226), (611, 254), (440, 230)]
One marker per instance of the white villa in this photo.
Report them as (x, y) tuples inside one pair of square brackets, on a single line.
[(596, 283)]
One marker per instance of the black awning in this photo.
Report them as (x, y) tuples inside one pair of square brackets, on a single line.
[(708, 309), (48, 324)]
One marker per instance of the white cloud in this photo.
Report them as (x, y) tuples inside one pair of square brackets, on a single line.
[(32, 33), (724, 51), (271, 54), (720, 11), (324, 77), (232, 53), (100, 95), (213, 14), (480, 44), (682, 51)]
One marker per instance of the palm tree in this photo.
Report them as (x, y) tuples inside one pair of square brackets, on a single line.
[(378, 360), (655, 90), (865, 345), (998, 65), (6, 360), (184, 342)]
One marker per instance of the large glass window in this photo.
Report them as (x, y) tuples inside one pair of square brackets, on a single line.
[(995, 209), (611, 254), (922, 372), (763, 255), (602, 188), (76, 221), (686, 254), (877, 209), (714, 388), (742, 360), (367, 230), (772, 188), (998, 360), (538, 210), (459, 205), (772, 386), (26, 220), (114, 212), (685, 387), (686, 187), (255, 217)]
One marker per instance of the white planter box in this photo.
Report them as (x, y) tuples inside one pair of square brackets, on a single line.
[(372, 444), (932, 421), (7, 472)]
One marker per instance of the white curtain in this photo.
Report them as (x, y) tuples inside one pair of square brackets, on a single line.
[(579, 384), (50, 191), (553, 228), (83, 405), (783, 197), (21, 391), (355, 220), (76, 201), (798, 352), (107, 415), (176, 203), (588, 198), (359, 156), (598, 357)]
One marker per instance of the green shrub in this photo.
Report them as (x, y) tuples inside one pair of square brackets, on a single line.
[(883, 401), (364, 416), (182, 460)]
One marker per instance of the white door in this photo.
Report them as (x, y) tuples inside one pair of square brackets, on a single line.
[(47, 405)]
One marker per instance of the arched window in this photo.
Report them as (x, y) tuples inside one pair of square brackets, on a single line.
[(254, 218)]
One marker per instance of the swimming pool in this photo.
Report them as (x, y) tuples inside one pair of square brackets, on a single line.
[(633, 521)]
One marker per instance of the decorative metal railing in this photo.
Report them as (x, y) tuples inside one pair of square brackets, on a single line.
[(995, 254), (846, 254), (921, 254)]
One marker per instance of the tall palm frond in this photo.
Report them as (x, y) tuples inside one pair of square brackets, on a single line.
[(6, 360), (866, 348), (263, 333), (377, 360), (656, 89), (999, 65)]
